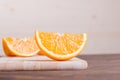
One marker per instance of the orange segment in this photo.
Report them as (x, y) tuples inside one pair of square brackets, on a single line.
[(41, 53), (19, 47), (60, 46)]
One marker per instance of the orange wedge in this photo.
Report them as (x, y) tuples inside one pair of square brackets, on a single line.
[(60, 46), (19, 47)]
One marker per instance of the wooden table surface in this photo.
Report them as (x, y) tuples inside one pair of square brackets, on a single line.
[(101, 67)]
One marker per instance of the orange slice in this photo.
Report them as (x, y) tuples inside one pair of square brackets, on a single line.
[(60, 46), (19, 47), (41, 53)]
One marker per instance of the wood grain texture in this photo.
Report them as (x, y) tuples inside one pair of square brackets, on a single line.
[(40, 63), (101, 67)]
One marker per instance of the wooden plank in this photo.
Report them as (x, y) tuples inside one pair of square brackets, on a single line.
[(40, 63), (101, 67)]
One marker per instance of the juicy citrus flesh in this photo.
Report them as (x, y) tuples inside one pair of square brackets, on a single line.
[(60, 46), (20, 47)]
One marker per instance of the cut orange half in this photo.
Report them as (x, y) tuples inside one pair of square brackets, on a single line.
[(60, 46), (19, 47)]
